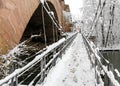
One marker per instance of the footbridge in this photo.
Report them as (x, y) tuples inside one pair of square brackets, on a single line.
[(77, 57), (45, 55)]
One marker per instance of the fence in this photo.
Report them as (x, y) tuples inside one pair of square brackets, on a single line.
[(36, 70), (102, 67)]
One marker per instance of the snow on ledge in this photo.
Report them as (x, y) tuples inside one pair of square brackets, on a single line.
[(117, 72), (42, 1)]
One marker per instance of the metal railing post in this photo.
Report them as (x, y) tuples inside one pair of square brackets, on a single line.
[(110, 68), (42, 66), (12, 82), (54, 61), (16, 82)]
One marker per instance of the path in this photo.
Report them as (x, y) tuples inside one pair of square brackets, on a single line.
[(74, 69)]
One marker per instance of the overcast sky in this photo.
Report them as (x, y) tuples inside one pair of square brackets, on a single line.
[(75, 6)]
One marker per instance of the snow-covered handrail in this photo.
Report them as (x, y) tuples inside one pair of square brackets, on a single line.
[(94, 53), (18, 72)]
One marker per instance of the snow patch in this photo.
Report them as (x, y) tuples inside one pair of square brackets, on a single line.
[(118, 73), (42, 1)]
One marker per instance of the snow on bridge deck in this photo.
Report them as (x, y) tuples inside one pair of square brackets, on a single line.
[(74, 69)]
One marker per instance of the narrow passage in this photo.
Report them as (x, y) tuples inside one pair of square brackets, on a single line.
[(74, 69)]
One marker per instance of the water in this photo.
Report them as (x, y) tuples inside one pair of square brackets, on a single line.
[(114, 58)]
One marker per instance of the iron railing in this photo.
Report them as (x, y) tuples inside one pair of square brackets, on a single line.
[(36, 70), (101, 65)]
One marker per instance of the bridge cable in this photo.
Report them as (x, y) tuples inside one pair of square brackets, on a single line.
[(51, 11), (56, 34), (97, 15), (44, 26), (55, 22), (60, 28), (53, 32), (53, 16)]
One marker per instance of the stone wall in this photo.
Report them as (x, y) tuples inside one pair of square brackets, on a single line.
[(14, 17)]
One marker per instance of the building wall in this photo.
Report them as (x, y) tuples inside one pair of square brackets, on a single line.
[(67, 19)]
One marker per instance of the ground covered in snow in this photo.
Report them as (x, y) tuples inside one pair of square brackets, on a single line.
[(74, 69)]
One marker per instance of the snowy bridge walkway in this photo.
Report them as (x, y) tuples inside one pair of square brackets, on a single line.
[(74, 69), (80, 65)]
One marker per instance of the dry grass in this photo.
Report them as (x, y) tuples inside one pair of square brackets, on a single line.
[(4, 66)]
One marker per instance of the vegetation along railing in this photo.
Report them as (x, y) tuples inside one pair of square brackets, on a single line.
[(36, 70), (104, 69)]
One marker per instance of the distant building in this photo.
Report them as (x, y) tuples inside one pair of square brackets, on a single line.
[(67, 18)]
